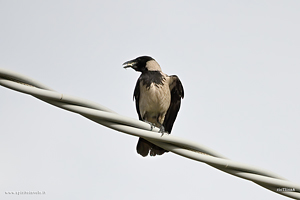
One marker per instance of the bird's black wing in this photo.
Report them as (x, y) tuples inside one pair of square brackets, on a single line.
[(177, 93), (136, 96)]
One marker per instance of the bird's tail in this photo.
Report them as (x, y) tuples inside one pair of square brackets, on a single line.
[(143, 147)]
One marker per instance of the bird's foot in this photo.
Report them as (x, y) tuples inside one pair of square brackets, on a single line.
[(162, 130), (151, 124)]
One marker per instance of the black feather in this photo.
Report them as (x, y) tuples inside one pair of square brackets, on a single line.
[(149, 77), (136, 96), (177, 93)]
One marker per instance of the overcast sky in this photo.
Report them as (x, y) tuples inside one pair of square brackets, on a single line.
[(239, 64)]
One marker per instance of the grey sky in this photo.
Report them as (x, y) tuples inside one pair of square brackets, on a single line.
[(239, 65)]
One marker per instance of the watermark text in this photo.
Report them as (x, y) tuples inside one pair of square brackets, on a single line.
[(25, 192), (285, 189)]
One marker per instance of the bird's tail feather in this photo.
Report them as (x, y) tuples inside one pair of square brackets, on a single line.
[(143, 147)]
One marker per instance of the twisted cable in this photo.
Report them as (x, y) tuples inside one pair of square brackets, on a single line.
[(180, 146)]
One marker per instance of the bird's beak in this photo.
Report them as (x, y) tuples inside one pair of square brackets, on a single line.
[(130, 63)]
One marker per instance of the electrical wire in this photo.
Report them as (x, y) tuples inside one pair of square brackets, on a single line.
[(189, 149)]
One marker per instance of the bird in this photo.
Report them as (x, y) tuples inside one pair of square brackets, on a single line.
[(157, 98)]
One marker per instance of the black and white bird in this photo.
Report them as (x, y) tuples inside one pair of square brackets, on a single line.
[(157, 98)]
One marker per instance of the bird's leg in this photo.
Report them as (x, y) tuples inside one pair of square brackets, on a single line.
[(151, 124), (161, 129)]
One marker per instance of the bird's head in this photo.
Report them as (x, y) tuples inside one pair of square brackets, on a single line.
[(142, 64)]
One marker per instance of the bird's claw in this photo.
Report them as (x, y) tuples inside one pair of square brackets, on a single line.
[(162, 130), (151, 125)]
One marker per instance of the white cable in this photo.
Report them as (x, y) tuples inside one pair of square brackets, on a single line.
[(109, 118)]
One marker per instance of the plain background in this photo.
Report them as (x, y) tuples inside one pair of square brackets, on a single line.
[(239, 65)]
